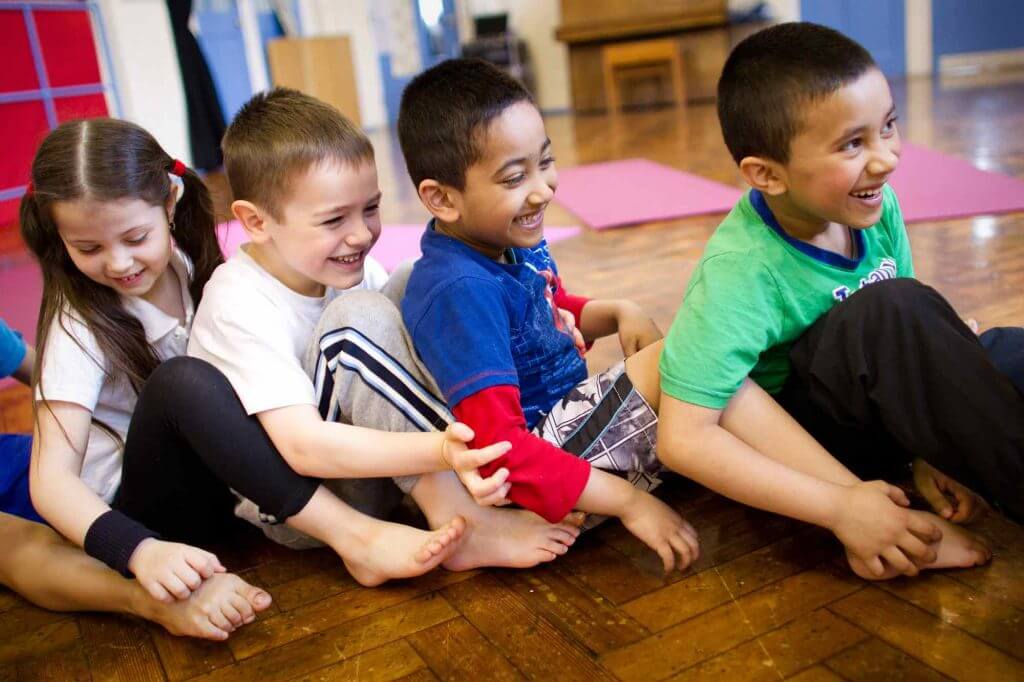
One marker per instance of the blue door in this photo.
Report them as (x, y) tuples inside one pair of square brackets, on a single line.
[(220, 38), (878, 25), (438, 39)]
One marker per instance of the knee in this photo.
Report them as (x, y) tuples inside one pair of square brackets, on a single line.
[(185, 376), (894, 300), (22, 540), (370, 313)]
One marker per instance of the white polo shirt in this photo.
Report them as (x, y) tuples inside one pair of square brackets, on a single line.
[(75, 371)]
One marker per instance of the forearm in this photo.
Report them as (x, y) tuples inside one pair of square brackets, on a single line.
[(599, 318), (720, 461), (330, 450), (65, 501), (606, 494), (24, 371)]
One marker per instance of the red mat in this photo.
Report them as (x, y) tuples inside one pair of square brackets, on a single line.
[(397, 243), (935, 186)]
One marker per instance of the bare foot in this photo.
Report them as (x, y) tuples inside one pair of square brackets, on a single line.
[(958, 548), (222, 604), (512, 538), (395, 551)]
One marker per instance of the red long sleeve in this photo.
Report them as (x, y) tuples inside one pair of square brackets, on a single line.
[(545, 479), (565, 300)]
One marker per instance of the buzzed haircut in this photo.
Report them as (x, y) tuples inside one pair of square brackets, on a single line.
[(279, 135), (771, 77), (444, 116)]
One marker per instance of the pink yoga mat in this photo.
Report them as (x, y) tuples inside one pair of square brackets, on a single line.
[(635, 191), (397, 243), (22, 287), (935, 186)]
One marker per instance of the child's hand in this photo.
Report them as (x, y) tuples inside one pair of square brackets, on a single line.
[(874, 525), (663, 530), (489, 491), (570, 321), (636, 329), (170, 570), (950, 500)]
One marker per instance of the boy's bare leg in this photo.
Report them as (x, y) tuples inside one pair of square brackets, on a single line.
[(375, 551), (40, 566), (509, 538), (758, 420)]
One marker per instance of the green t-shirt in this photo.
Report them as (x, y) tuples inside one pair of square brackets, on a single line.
[(756, 290)]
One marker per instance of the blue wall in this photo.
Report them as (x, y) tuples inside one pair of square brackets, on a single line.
[(975, 26), (878, 25)]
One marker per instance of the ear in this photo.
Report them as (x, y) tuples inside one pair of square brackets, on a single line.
[(440, 200), (252, 218), (171, 203), (767, 176)]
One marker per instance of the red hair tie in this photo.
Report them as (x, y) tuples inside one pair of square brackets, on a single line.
[(178, 168), (30, 189)]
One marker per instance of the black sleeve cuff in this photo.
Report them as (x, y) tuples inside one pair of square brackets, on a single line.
[(113, 537)]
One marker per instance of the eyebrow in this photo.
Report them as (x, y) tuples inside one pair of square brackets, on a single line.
[(515, 162), (337, 209), (857, 129)]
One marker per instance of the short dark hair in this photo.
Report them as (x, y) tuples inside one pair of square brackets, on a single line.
[(771, 75), (444, 113), (279, 134)]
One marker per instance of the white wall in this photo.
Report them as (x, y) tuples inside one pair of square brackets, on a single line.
[(535, 21), (352, 18), (145, 65)]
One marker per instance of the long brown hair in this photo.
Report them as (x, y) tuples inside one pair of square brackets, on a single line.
[(106, 159)]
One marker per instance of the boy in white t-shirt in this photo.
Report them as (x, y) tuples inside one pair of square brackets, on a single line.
[(283, 310)]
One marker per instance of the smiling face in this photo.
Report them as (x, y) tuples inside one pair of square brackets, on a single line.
[(123, 244), (507, 190), (840, 160), (328, 225)]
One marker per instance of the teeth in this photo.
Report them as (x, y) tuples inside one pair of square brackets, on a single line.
[(348, 260), (531, 219)]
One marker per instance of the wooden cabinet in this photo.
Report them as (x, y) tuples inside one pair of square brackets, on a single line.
[(321, 67), (699, 27)]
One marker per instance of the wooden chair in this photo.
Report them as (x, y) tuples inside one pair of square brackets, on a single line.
[(660, 52)]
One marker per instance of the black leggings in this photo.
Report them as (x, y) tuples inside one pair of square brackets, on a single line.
[(190, 440), (894, 373)]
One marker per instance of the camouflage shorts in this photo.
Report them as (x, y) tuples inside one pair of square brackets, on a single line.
[(607, 422)]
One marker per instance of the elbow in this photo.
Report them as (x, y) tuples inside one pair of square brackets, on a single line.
[(679, 451)]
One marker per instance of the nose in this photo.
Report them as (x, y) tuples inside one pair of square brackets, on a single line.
[(119, 261), (885, 158), (360, 236), (544, 189)]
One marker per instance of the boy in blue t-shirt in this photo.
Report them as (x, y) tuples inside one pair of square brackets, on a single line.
[(807, 287), (16, 359)]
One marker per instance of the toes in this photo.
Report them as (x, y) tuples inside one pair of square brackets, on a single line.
[(259, 599)]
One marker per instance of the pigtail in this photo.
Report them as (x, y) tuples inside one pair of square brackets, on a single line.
[(195, 230)]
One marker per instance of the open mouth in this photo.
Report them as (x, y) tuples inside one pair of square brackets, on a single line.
[(871, 194), (129, 280), (530, 221), (349, 260)]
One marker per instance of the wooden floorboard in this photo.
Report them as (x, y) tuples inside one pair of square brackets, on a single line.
[(769, 599)]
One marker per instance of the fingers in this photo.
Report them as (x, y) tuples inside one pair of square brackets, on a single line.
[(899, 561), (157, 591), (204, 563), (683, 548), (173, 584), (919, 525), (896, 494), (473, 459), (668, 557), (875, 567), (459, 431), (919, 552), (497, 499), (689, 536), (189, 576)]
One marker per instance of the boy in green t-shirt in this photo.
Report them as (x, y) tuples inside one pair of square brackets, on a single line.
[(807, 287)]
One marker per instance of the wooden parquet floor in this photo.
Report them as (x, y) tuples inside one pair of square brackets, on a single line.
[(769, 598)]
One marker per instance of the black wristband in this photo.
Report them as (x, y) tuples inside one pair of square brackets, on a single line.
[(113, 537)]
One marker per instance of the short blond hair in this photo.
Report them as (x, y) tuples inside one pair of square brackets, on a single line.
[(280, 134)]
